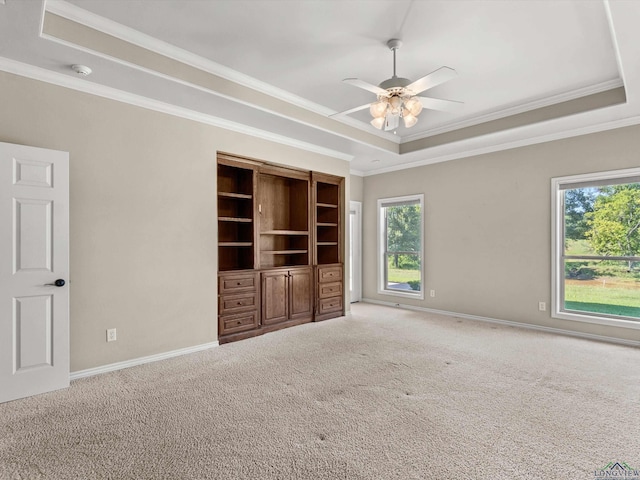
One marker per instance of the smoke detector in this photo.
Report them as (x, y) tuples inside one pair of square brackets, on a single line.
[(81, 70)]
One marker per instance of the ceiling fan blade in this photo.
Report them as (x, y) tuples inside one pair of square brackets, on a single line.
[(366, 86), (440, 104), (351, 110), (433, 79)]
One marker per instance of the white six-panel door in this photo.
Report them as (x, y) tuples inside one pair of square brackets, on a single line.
[(34, 253)]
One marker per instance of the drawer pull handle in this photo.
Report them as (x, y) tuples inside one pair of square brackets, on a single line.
[(238, 284), (238, 322), (238, 303)]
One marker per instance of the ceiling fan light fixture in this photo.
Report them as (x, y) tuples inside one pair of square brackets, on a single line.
[(414, 105), (409, 119), (395, 104), (397, 96), (378, 109), (378, 122)]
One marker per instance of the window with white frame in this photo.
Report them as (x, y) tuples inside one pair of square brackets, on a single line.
[(400, 245), (596, 248)]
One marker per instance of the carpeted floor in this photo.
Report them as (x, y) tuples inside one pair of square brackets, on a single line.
[(383, 394)]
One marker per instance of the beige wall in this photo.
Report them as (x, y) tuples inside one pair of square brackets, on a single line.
[(357, 188), (488, 226), (142, 211)]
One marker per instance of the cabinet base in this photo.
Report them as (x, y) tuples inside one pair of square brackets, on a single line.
[(234, 337), (327, 316)]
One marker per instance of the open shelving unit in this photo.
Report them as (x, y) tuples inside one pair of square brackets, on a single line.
[(236, 237), (284, 220), (327, 219)]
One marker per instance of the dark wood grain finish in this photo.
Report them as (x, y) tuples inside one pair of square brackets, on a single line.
[(329, 292), (275, 294), (332, 273), (300, 293), (330, 305), (326, 290), (274, 223), (236, 282), (238, 303), (240, 322), (237, 240)]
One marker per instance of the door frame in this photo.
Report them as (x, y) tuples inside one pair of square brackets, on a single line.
[(355, 251)]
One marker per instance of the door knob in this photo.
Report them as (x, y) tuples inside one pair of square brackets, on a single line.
[(58, 283)]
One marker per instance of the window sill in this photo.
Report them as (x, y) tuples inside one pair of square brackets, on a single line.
[(598, 320), (401, 293)]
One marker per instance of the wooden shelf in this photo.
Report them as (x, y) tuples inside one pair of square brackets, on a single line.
[(326, 244), (326, 205), (285, 232), (235, 219), (235, 195), (236, 226), (283, 252), (325, 224)]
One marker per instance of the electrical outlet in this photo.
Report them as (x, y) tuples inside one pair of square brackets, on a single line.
[(432, 293), (542, 306), (111, 335)]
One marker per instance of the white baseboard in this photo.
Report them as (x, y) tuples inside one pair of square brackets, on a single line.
[(559, 331), (140, 361)]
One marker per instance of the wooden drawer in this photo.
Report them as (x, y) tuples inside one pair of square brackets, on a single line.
[(238, 323), (332, 304), (330, 274), (238, 282), (238, 303), (326, 290)]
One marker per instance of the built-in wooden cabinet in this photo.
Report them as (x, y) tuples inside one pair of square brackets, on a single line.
[(328, 202), (283, 211), (280, 243), (238, 301), (236, 215), (288, 295), (329, 291)]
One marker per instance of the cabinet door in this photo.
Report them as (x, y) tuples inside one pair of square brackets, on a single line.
[(301, 292), (275, 296)]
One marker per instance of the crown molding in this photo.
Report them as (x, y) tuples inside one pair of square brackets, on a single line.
[(73, 83), (122, 32), (519, 108), (497, 147), (135, 37), (614, 38)]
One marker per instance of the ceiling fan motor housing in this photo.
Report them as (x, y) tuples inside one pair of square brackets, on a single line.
[(395, 85)]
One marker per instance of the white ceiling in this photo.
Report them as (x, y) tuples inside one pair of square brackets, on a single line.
[(510, 56)]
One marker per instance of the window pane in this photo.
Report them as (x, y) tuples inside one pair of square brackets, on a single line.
[(602, 286), (602, 222), (403, 272), (402, 255)]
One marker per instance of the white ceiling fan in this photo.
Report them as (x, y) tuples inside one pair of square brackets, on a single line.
[(397, 96)]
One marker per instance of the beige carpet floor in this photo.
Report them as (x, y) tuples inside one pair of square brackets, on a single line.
[(383, 394)]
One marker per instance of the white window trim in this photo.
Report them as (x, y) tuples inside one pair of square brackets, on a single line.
[(381, 241), (557, 247)]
